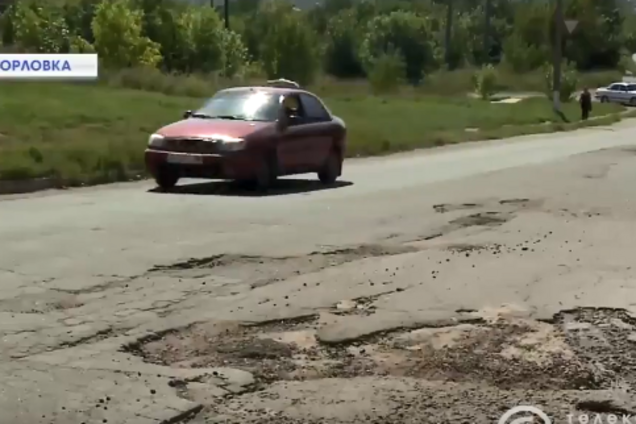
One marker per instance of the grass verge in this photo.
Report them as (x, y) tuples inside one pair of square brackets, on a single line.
[(86, 133), (443, 83)]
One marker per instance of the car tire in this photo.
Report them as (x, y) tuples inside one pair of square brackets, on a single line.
[(331, 169), (632, 101), (167, 178), (267, 173), (604, 99)]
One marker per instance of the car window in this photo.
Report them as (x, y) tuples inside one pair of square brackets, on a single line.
[(314, 109), (614, 87), (248, 105), (631, 87)]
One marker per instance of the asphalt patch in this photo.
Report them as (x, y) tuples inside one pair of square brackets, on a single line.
[(505, 353)]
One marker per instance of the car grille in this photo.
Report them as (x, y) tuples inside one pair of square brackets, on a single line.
[(190, 145)]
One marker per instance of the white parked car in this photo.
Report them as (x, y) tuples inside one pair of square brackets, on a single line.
[(618, 92)]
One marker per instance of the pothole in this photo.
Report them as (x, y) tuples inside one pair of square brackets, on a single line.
[(482, 219), (452, 207), (272, 351), (583, 349), (359, 306), (605, 337), (466, 248)]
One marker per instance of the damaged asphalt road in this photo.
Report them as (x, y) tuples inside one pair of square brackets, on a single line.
[(439, 287)]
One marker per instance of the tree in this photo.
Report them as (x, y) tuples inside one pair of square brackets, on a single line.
[(528, 47), (403, 33), (343, 43), (39, 27), (290, 48), (235, 56), (117, 28), (79, 15), (597, 39), (202, 43)]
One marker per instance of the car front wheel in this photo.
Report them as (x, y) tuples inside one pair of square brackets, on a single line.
[(267, 174), (167, 179), (331, 169)]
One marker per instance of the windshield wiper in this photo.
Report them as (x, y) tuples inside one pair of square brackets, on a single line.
[(201, 115), (232, 117)]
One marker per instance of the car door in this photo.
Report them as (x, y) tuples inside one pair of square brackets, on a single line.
[(622, 96), (293, 144), (617, 93), (631, 94), (317, 126)]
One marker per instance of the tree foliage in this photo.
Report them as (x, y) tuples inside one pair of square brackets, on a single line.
[(344, 38), (119, 41), (404, 33), (289, 48)]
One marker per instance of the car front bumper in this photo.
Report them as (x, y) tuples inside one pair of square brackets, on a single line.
[(233, 166)]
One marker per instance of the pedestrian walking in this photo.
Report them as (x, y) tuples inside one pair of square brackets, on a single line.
[(586, 104)]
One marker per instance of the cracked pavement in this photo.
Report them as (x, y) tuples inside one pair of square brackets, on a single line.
[(439, 286)]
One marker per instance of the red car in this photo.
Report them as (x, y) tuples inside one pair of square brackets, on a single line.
[(251, 134)]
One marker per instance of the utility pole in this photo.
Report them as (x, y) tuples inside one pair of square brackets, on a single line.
[(449, 32), (558, 55), (488, 14), (226, 11)]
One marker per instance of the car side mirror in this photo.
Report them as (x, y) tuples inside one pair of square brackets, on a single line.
[(187, 114)]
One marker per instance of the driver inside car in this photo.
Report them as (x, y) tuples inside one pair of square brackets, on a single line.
[(291, 106)]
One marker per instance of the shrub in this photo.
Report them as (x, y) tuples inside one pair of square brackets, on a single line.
[(403, 32), (521, 57), (235, 54), (289, 49), (387, 73), (485, 81), (343, 43), (117, 27), (569, 80)]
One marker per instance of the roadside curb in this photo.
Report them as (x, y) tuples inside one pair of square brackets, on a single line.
[(8, 187), (28, 186)]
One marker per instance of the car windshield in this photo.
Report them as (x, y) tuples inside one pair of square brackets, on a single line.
[(244, 105)]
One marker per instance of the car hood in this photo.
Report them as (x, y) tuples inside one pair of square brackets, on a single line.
[(196, 128)]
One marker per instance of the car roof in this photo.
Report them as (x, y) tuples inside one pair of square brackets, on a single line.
[(268, 89)]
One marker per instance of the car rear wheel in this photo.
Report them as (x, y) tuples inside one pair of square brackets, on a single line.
[(167, 178), (331, 169)]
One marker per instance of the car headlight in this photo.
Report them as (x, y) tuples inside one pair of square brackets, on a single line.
[(231, 144), (156, 140)]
